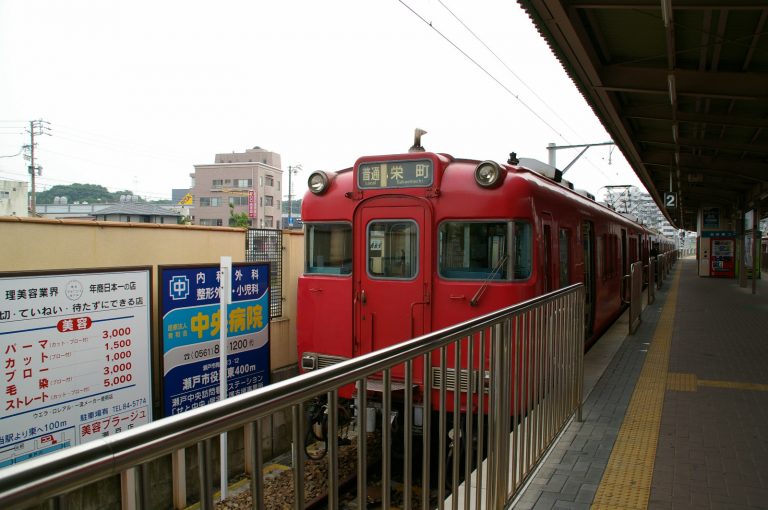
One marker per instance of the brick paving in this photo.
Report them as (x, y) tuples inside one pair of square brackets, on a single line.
[(713, 442)]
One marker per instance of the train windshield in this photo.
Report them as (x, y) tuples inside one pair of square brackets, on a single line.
[(474, 250), (329, 248)]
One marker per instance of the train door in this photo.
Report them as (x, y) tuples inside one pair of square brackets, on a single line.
[(392, 270), (588, 246)]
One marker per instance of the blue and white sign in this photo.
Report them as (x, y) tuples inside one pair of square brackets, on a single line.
[(190, 330), (75, 353)]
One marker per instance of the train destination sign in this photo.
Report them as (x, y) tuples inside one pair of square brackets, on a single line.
[(395, 174), (75, 350), (190, 309)]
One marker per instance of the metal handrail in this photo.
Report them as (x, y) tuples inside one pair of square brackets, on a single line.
[(40, 478)]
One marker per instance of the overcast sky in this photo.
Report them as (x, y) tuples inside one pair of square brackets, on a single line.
[(137, 92)]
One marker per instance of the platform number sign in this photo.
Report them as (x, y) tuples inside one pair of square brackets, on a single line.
[(670, 200)]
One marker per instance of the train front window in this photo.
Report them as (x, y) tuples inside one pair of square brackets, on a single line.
[(329, 248), (393, 249), (497, 250)]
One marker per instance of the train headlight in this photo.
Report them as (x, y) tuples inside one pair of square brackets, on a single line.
[(489, 174), (318, 182)]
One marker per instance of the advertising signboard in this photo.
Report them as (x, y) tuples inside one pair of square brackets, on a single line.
[(189, 304), (251, 203), (711, 218), (75, 350)]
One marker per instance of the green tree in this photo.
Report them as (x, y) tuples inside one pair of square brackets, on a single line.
[(239, 220), (77, 192)]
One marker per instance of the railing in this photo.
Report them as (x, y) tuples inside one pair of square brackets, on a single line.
[(657, 270), (522, 372)]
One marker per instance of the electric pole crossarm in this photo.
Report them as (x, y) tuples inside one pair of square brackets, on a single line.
[(552, 148)]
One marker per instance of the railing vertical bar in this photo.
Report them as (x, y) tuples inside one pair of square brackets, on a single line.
[(426, 450), (457, 439), (481, 421), (206, 477), (528, 392), (469, 415), (179, 474), (386, 438), (557, 384), (570, 358), (543, 397), (506, 407), (362, 443), (442, 430), (516, 400), (580, 320), (332, 444), (127, 490), (494, 420), (298, 456), (255, 452), (407, 436)]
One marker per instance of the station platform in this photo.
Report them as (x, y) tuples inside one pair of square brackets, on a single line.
[(677, 414)]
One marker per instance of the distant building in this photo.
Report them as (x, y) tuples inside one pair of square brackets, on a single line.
[(130, 212), (178, 194), (231, 180), (13, 198)]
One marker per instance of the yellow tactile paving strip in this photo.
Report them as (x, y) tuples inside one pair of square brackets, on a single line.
[(627, 479), (689, 382)]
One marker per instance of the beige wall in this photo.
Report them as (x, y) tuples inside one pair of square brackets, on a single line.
[(32, 244), (284, 354)]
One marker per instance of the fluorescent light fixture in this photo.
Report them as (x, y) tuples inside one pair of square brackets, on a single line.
[(666, 12), (672, 89)]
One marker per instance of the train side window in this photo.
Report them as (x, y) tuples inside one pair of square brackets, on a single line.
[(393, 249), (565, 248), (600, 255), (480, 250), (328, 248)]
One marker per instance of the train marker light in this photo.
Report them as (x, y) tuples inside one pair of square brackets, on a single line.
[(489, 174), (318, 182)]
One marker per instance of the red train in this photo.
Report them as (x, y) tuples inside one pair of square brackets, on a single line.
[(401, 245)]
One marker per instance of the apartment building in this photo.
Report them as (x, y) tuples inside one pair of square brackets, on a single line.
[(247, 181)]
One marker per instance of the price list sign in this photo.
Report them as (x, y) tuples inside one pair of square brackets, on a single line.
[(190, 330), (75, 358)]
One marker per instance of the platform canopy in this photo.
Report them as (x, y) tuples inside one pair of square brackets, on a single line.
[(682, 88)]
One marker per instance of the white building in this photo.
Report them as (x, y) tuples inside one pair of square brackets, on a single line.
[(14, 198)]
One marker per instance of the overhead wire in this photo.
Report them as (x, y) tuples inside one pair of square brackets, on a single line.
[(494, 78), (483, 69), (507, 67)]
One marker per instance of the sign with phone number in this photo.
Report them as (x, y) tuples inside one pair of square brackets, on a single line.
[(75, 358), (190, 331)]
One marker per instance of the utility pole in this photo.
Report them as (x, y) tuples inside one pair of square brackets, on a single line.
[(291, 171), (36, 127)]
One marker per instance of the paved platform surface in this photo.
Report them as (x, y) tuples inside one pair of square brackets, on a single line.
[(679, 417)]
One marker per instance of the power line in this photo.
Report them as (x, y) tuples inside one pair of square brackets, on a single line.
[(488, 73), (530, 89)]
